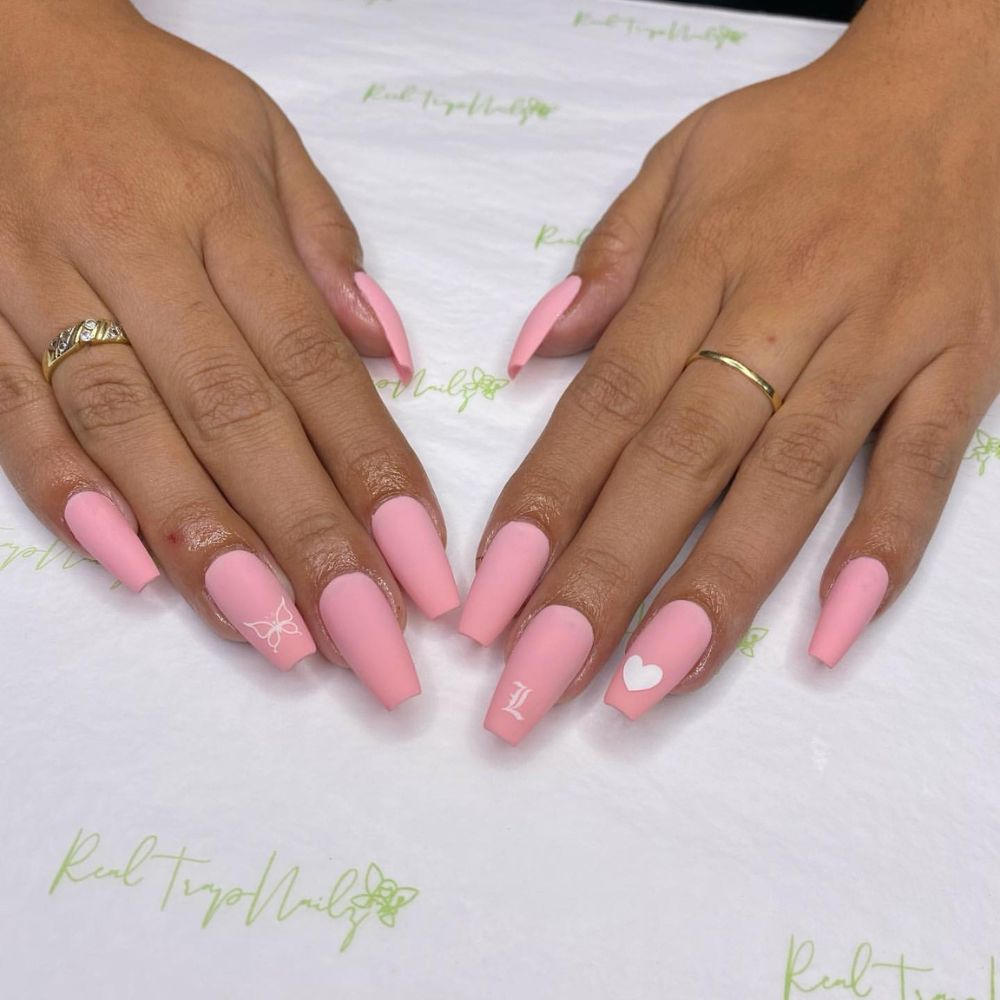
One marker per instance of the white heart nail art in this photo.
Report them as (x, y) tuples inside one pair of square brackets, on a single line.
[(639, 676)]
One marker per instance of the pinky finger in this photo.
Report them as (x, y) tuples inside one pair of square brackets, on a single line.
[(55, 478), (917, 453)]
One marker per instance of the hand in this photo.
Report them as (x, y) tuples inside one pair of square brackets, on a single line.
[(145, 180), (836, 230)]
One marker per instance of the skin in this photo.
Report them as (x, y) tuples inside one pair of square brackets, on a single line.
[(837, 230), (160, 186)]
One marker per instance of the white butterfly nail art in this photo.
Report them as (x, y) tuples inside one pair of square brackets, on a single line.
[(282, 624)]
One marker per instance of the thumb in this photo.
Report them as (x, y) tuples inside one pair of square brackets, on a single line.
[(572, 316), (328, 244)]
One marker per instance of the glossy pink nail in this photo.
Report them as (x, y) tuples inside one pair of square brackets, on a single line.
[(851, 604), (507, 574), (361, 623), (392, 325), (406, 536), (540, 321), (660, 657), (103, 531), (550, 652), (253, 601)]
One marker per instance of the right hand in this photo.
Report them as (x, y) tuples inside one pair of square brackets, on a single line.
[(145, 180)]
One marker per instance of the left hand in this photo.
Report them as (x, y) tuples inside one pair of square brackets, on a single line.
[(837, 230)]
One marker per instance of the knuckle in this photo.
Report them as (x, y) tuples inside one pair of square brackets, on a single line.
[(306, 355), (109, 396), (104, 193), (546, 494), (224, 396), (926, 448), (609, 246), (192, 523), (729, 571), (20, 388), (211, 178), (370, 461), (321, 539), (688, 441), (606, 389), (601, 574), (800, 452)]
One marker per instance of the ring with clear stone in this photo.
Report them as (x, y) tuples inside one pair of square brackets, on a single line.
[(80, 335)]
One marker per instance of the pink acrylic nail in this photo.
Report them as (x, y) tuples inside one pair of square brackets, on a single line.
[(392, 325), (851, 604), (506, 576), (549, 654), (103, 531), (361, 623), (406, 536), (540, 321), (253, 601), (660, 657)]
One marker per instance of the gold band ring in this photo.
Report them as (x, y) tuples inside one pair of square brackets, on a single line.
[(765, 387), (78, 336)]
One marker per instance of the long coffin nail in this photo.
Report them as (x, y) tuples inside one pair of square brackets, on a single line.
[(392, 325), (506, 576), (849, 607), (540, 321), (406, 536), (253, 601), (103, 531), (360, 621), (662, 655), (549, 654)]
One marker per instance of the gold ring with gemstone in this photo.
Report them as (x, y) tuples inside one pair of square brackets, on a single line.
[(774, 397), (78, 336)]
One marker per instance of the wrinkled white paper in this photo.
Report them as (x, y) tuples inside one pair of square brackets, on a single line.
[(784, 824)]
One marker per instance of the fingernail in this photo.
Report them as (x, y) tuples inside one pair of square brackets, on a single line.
[(392, 325), (661, 656), (103, 531), (540, 321), (851, 604), (360, 621), (253, 601), (406, 536), (507, 574), (549, 654)]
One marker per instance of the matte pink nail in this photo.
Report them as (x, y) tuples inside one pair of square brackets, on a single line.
[(360, 621), (506, 576), (392, 325), (851, 604), (103, 531), (406, 535), (549, 654), (540, 321), (660, 657), (254, 602)]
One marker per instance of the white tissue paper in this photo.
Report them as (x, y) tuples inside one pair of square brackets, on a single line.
[(180, 819)]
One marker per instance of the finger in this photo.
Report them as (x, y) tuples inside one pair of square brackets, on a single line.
[(58, 482), (782, 487), (665, 479), (615, 393), (920, 444), (328, 245), (249, 439), (261, 282), (210, 554), (572, 316)]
